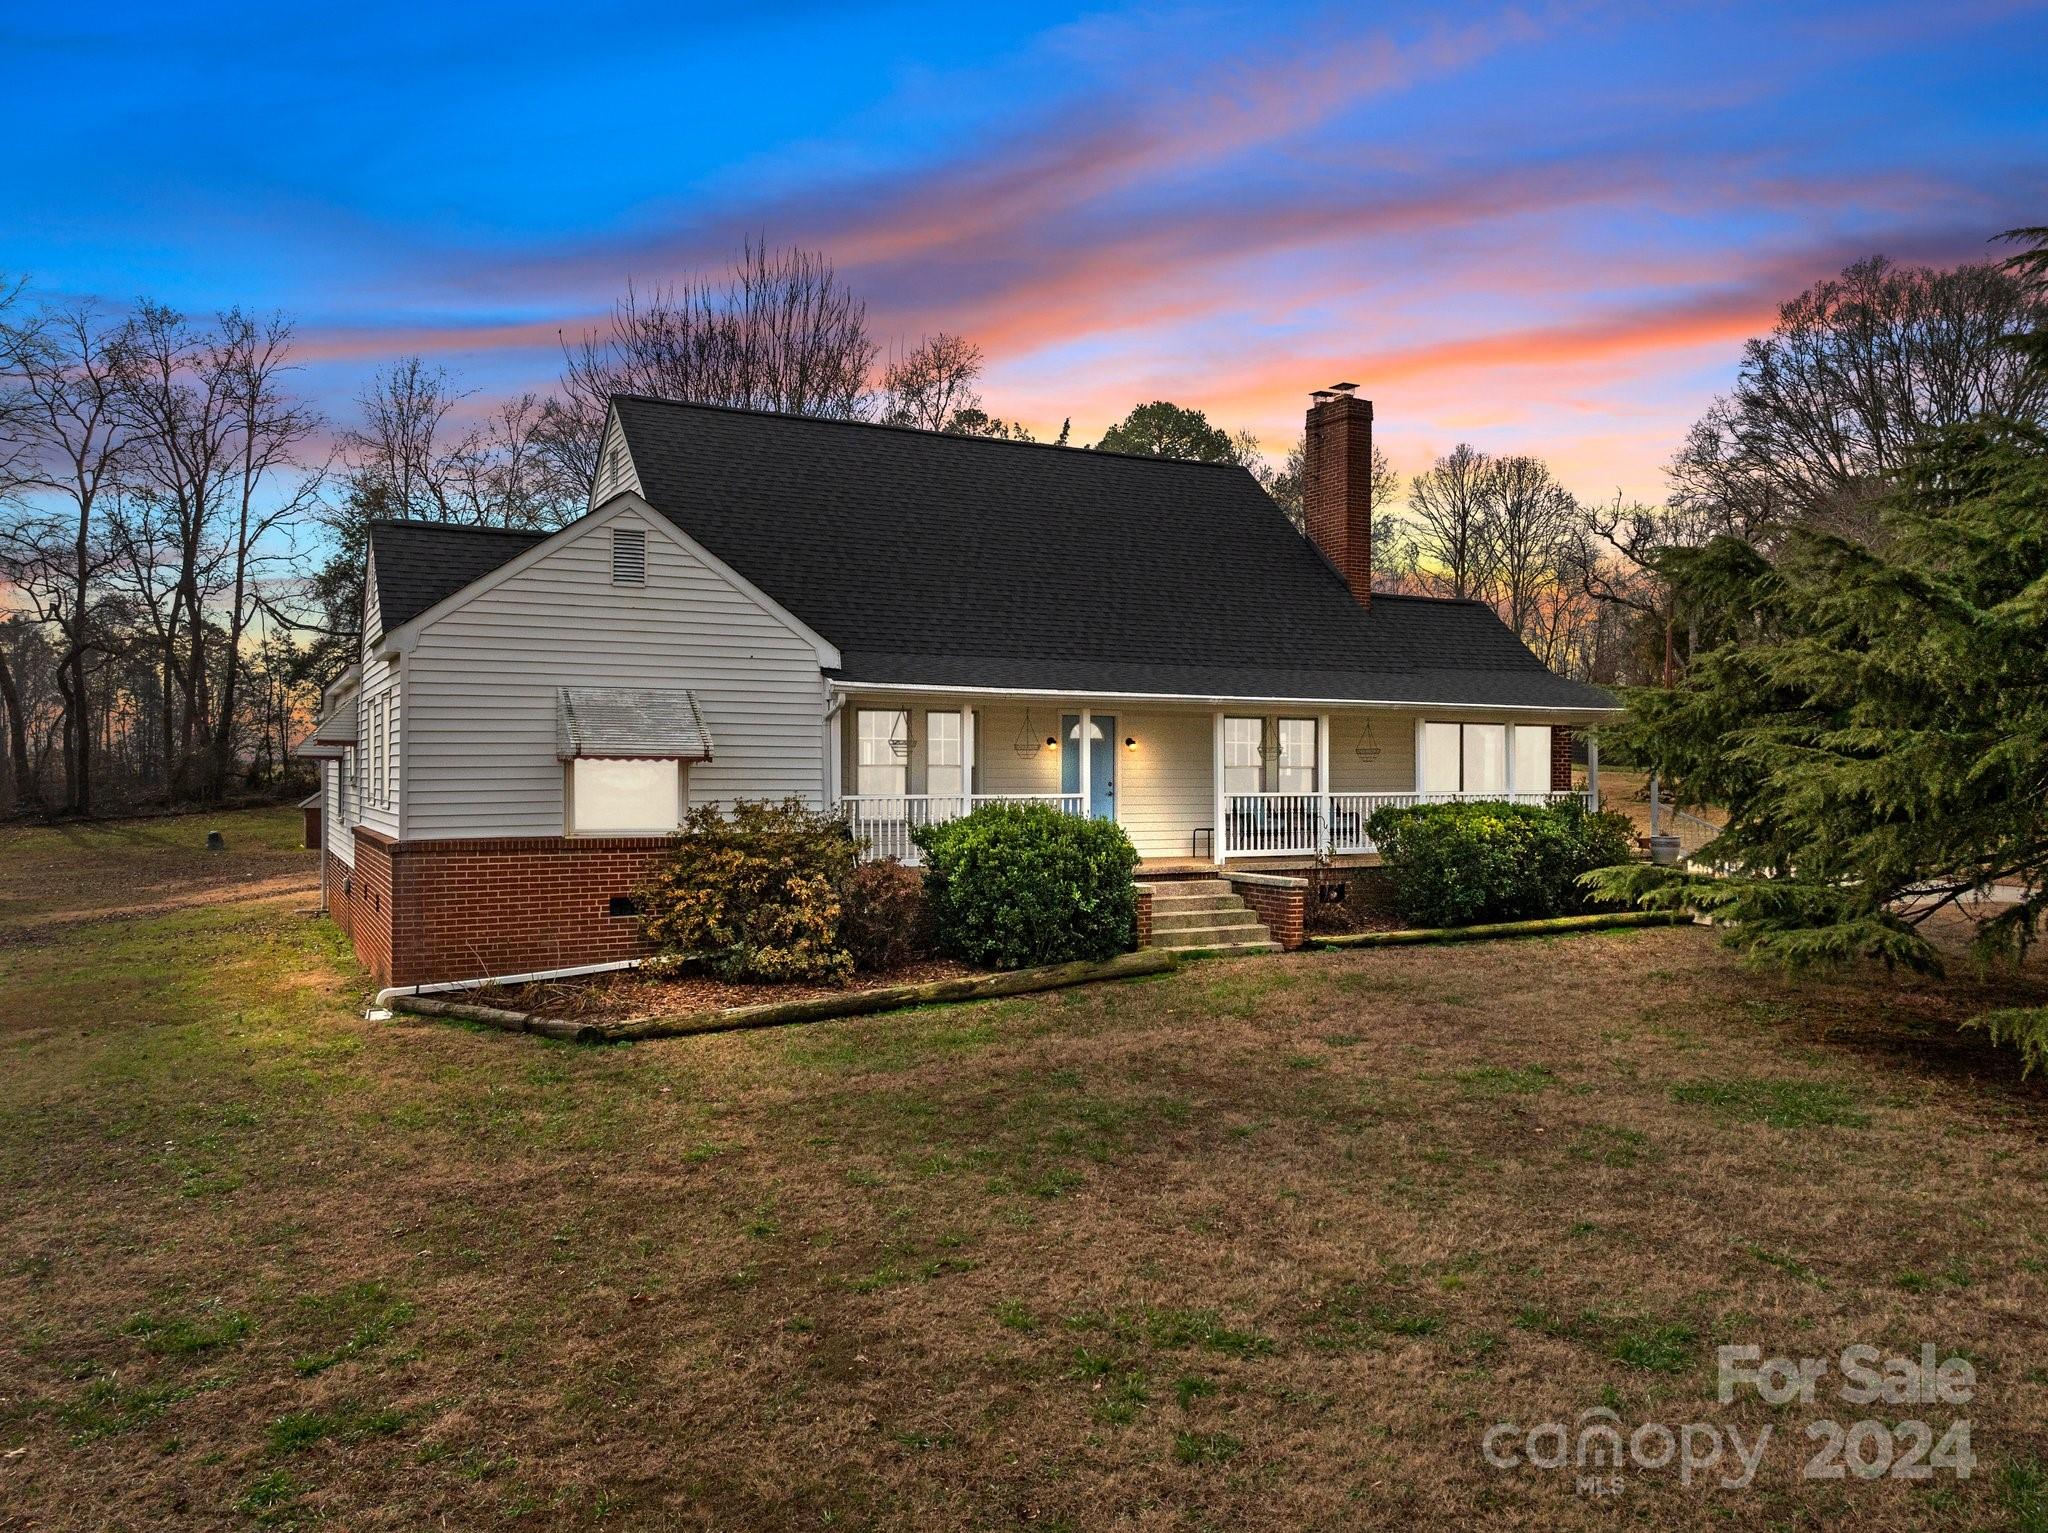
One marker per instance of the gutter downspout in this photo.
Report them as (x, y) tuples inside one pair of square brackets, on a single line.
[(382, 998)]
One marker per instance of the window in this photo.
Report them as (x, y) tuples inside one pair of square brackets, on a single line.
[(945, 766), (629, 556), (1464, 758), (1532, 758), (391, 750), (882, 743), (1297, 755), (348, 798), (1486, 758), (376, 743), (624, 798), (1244, 761)]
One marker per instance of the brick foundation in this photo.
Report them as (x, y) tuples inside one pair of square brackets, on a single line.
[(1144, 917), (1279, 901), (421, 911), (1560, 758)]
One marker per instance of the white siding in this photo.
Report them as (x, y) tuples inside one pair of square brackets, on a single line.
[(1165, 784), (616, 474), (999, 765), (1392, 770), (377, 720), (480, 683)]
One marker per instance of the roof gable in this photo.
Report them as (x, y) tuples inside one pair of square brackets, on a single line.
[(416, 564)]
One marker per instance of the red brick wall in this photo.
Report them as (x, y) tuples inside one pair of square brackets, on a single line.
[(436, 910), (1560, 758), (1336, 494), (1144, 917), (1282, 907)]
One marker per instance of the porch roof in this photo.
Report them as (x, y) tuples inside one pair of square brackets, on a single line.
[(1482, 682)]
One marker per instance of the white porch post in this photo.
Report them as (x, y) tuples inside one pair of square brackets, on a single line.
[(1416, 779), (1593, 770), (1323, 840), (1514, 783), (1087, 807), (1216, 837), (835, 754), (970, 721)]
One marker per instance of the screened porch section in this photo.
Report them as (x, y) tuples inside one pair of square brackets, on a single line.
[(1185, 783)]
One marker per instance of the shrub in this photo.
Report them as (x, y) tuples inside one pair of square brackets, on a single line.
[(1012, 885), (1457, 864), (883, 920), (755, 892)]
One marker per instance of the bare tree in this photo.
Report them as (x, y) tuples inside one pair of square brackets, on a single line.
[(64, 442), (780, 333), (1858, 368), (1531, 519), (412, 456), (212, 432), (932, 385), (1451, 516)]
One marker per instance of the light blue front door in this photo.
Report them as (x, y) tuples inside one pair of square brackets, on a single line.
[(1101, 761)]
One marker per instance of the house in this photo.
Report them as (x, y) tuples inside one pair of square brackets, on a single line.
[(895, 624)]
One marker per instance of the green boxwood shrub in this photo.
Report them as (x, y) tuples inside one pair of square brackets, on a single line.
[(1458, 864), (1012, 885), (754, 893)]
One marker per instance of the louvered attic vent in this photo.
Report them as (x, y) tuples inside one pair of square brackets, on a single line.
[(629, 556)]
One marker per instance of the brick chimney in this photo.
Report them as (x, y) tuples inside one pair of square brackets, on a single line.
[(1336, 491)]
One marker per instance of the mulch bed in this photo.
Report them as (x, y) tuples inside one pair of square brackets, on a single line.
[(614, 997)]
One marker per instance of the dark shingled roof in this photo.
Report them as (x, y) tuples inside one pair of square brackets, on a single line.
[(960, 561), (933, 560), (418, 563)]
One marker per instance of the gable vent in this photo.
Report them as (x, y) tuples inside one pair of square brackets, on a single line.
[(629, 556)]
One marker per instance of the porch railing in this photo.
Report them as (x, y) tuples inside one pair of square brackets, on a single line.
[(884, 821), (1303, 824)]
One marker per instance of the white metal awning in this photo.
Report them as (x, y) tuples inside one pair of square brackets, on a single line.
[(628, 723)]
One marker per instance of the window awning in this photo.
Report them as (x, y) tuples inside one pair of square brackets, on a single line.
[(628, 723), (338, 728)]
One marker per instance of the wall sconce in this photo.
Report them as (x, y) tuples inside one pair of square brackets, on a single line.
[(1130, 742), (1052, 742)]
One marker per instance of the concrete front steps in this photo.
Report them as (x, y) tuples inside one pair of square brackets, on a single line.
[(1202, 915)]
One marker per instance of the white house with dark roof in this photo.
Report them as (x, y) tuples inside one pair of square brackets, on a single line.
[(897, 625)]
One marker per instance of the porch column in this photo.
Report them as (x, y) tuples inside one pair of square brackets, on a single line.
[(1324, 841), (1514, 787), (835, 754), (1087, 808), (970, 721), (1593, 769), (1216, 846)]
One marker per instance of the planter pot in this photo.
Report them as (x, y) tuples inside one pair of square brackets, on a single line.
[(1664, 850)]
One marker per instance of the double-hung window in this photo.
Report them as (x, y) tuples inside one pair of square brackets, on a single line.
[(1244, 755), (945, 764), (1297, 738), (882, 743), (1473, 758)]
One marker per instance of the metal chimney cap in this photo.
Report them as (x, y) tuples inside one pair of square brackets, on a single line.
[(1322, 396), (1342, 388)]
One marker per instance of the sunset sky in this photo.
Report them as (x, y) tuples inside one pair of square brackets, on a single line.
[(1541, 228)]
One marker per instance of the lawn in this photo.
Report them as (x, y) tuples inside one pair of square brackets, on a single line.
[(1268, 1243)]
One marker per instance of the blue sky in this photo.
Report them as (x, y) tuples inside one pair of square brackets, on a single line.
[(1539, 227)]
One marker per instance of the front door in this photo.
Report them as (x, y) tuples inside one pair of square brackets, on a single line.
[(1101, 762), (1102, 766)]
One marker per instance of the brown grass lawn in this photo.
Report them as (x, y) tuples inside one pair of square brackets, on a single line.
[(1263, 1244)]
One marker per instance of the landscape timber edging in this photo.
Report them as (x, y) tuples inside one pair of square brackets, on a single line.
[(1599, 921), (817, 1008)]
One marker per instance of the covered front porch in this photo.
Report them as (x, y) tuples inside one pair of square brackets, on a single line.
[(1199, 784)]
